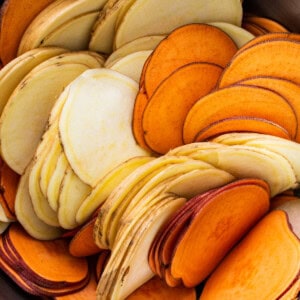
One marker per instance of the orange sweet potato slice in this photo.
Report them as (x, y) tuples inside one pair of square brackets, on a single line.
[(47, 261), (273, 58), (280, 199), (9, 181), (186, 44), (253, 28), (156, 288), (16, 16), (140, 104), (218, 223), (82, 243), (101, 262), (165, 113), (267, 24), (241, 124), (264, 265), (286, 88), (239, 101)]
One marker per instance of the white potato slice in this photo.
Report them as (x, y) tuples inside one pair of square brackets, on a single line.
[(239, 35), (27, 216), (106, 185), (12, 73), (74, 34), (132, 64), (151, 17), (95, 124), (56, 180), (104, 29), (26, 113), (53, 16), (139, 44), (3, 226), (72, 193)]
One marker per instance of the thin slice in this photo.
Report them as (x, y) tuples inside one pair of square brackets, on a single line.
[(103, 97), (239, 101), (256, 259), (166, 111), (206, 43)]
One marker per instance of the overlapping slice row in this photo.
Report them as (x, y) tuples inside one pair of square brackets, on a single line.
[(206, 230), (25, 260)]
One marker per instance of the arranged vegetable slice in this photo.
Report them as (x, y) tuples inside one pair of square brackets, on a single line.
[(166, 111), (280, 59), (16, 15), (239, 101), (256, 259), (158, 21), (98, 114), (219, 221), (207, 44)]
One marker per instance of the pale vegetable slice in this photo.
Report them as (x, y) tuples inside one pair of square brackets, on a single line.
[(3, 226), (139, 44), (74, 34), (55, 182), (98, 115), (132, 64), (104, 29), (106, 185), (27, 216), (49, 164), (53, 16), (162, 17), (25, 115), (12, 73), (72, 193), (239, 35), (131, 253)]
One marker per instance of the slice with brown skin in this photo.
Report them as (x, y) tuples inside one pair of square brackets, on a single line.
[(101, 263), (245, 273), (286, 88), (253, 28), (241, 124), (16, 15), (165, 113), (239, 101), (217, 224), (156, 288), (205, 43), (274, 58)]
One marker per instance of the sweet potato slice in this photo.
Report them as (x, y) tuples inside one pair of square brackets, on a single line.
[(206, 43), (216, 226), (101, 262), (156, 288), (16, 15), (288, 89), (166, 111), (275, 58), (83, 244), (239, 101), (267, 24), (241, 124), (247, 271)]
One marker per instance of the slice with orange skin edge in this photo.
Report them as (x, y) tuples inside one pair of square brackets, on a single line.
[(16, 16), (186, 44), (288, 89), (241, 124), (245, 273), (82, 243), (239, 101), (267, 24), (156, 288), (217, 224), (165, 113), (275, 58)]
